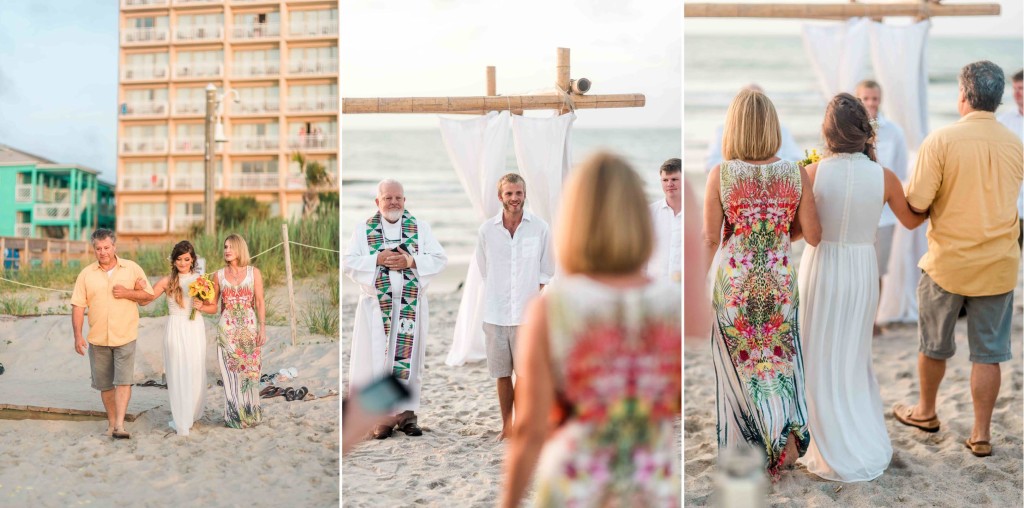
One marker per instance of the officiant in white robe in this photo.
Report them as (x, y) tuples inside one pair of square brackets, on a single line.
[(395, 243)]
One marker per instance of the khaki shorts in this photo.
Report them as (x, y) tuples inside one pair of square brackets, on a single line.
[(112, 366), (883, 247), (501, 349), (988, 323)]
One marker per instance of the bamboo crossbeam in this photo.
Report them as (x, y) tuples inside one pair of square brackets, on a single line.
[(481, 105), (835, 11)]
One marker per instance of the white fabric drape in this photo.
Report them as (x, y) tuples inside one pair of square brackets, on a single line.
[(478, 149), (544, 158), (838, 54), (898, 57)]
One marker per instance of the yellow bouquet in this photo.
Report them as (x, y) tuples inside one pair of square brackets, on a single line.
[(811, 158), (201, 288)]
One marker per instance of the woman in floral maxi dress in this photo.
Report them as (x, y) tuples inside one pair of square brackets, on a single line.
[(241, 333), (603, 345), (753, 205)]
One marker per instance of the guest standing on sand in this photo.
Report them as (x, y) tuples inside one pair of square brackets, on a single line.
[(103, 288), (666, 260), (392, 256), (967, 177), (515, 260)]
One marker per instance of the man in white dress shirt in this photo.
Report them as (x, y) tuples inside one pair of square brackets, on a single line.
[(1013, 119), (515, 260), (666, 260), (788, 150), (392, 256), (891, 150)]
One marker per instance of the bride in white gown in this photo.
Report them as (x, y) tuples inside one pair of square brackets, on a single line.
[(184, 341), (838, 284)]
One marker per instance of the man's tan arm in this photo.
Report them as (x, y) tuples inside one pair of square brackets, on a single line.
[(77, 319)]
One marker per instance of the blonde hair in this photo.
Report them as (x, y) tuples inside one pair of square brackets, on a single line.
[(241, 249), (512, 178), (608, 228), (752, 130)]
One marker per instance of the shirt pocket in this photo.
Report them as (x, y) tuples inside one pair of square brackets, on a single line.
[(531, 248)]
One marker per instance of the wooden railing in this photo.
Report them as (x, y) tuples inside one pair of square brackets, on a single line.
[(20, 253)]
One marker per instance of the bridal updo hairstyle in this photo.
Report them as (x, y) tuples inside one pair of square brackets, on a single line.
[(847, 127)]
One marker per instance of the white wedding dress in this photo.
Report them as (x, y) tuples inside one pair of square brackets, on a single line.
[(838, 284), (185, 361)]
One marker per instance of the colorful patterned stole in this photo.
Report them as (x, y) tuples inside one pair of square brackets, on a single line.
[(410, 291)]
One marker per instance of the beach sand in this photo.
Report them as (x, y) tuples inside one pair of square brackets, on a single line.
[(456, 462), (289, 460), (926, 469)]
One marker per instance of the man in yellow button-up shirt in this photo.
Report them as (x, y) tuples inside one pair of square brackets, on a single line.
[(967, 178), (103, 288)]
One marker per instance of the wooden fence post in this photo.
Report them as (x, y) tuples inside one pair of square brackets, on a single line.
[(288, 276)]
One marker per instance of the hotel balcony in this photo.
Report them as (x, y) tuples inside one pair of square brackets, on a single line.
[(54, 195), (199, 70), (184, 222), (300, 104), (45, 212), (255, 181), (22, 230), (23, 193), (190, 144), (256, 32), (198, 33), (196, 107), (194, 182), (254, 144), (136, 224), (144, 146), (154, 182), (253, 2), (143, 4), (324, 28), (313, 67), (255, 69), (143, 36), (197, 2), (145, 73), (151, 108), (255, 107), (314, 142)]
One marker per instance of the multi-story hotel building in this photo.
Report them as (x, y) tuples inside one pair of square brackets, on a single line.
[(280, 56)]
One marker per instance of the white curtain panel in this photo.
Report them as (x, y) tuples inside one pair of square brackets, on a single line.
[(898, 56), (478, 149), (838, 53), (544, 158)]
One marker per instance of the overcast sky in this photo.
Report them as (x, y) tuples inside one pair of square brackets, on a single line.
[(442, 47)]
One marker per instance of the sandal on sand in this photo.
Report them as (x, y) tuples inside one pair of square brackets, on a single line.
[(121, 434), (300, 393), (979, 448), (289, 394), (411, 429), (903, 414), (266, 392)]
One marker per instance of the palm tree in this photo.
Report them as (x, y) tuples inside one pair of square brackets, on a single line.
[(318, 180)]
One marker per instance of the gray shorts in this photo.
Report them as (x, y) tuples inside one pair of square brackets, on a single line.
[(883, 247), (988, 323), (501, 349), (112, 366)]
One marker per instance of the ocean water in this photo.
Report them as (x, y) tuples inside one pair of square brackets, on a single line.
[(717, 67), (418, 159)]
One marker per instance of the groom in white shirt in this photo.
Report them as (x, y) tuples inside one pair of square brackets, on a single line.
[(891, 150), (666, 260), (1013, 119), (515, 260)]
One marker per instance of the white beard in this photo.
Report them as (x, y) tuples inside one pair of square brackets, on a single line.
[(391, 216)]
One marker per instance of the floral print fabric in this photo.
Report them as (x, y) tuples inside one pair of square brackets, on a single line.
[(617, 359), (756, 341), (237, 352)]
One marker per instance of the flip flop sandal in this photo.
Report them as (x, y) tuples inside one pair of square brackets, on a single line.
[(979, 448), (903, 415), (121, 434), (266, 392), (300, 393), (289, 394), (411, 429)]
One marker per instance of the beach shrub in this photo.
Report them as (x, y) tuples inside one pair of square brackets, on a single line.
[(322, 317), (13, 305), (232, 211)]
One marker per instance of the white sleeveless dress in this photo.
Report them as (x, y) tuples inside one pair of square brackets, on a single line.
[(185, 360), (838, 284)]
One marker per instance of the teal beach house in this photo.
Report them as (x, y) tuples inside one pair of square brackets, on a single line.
[(40, 198)]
